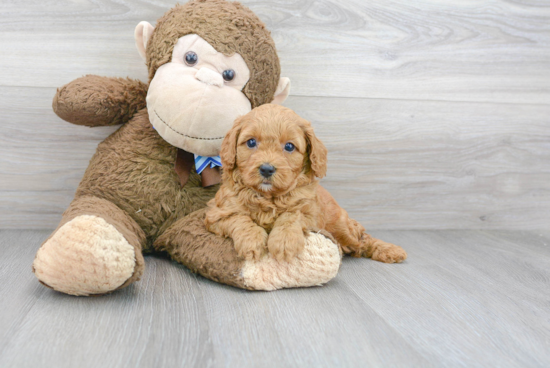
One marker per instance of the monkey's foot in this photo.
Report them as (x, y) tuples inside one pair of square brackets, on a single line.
[(85, 256)]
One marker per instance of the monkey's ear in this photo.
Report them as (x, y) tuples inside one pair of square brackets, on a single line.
[(228, 151), (317, 151), (283, 89), (143, 32)]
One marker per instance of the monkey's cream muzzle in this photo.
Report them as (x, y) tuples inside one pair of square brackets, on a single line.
[(193, 114), (210, 77)]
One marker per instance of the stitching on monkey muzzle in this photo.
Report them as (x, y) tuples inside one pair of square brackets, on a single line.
[(185, 135)]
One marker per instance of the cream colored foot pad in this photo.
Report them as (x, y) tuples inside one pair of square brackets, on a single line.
[(316, 265), (85, 256)]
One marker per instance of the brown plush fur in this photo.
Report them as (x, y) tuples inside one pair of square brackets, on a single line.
[(119, 219), (212, 256), (99, 101), (131, 182), (215, 257), (276, 213), (134, 169), (123, 223), (230, 28)]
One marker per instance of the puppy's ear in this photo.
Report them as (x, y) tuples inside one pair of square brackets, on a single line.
[(317, 151), (228, 151)]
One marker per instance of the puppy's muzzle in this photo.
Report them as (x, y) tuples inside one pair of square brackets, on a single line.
[(267, 170)]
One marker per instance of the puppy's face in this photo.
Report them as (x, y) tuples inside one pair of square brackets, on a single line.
[(273, 150)]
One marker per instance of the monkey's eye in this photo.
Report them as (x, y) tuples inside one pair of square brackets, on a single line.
[(191, 58), (251, 143), (228, 74), (289, 147)]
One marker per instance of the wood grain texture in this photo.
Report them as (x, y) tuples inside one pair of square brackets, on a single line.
[(469, 51), (462, 299), (429, 164), (392, 164), (436, 115)]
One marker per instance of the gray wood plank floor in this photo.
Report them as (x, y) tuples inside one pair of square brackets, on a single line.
[(462, 299)]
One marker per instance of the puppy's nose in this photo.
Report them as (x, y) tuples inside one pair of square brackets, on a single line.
[(267, 170)]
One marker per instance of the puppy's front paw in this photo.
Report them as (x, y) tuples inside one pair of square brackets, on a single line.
[(285, 243), (251, 244)]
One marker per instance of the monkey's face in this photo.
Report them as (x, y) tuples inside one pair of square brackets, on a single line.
[(194, 99)]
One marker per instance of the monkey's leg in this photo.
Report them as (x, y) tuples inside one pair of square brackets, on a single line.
[(95, 249), (214, 257)]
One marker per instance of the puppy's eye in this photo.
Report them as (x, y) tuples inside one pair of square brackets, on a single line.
[(228, 75), (289, 147), (191, 58), (251, 143)]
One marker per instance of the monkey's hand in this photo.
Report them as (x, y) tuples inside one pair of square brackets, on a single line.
[(99, 101)]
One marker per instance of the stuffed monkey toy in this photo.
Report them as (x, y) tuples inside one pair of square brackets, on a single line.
[(146, 187)]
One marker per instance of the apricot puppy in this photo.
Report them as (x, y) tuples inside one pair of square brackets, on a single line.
[(270, 198)]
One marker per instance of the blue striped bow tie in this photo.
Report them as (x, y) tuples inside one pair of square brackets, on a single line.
[(202, 162)]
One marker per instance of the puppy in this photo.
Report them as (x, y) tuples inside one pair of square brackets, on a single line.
[(270, 199)]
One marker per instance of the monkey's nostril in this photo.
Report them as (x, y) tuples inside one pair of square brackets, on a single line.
[(267, 170)]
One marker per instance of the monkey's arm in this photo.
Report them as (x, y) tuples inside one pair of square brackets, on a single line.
[(99, 101), (188, 242)]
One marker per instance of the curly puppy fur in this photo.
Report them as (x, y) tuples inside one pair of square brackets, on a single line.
[(274, 213), (131, 182)]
